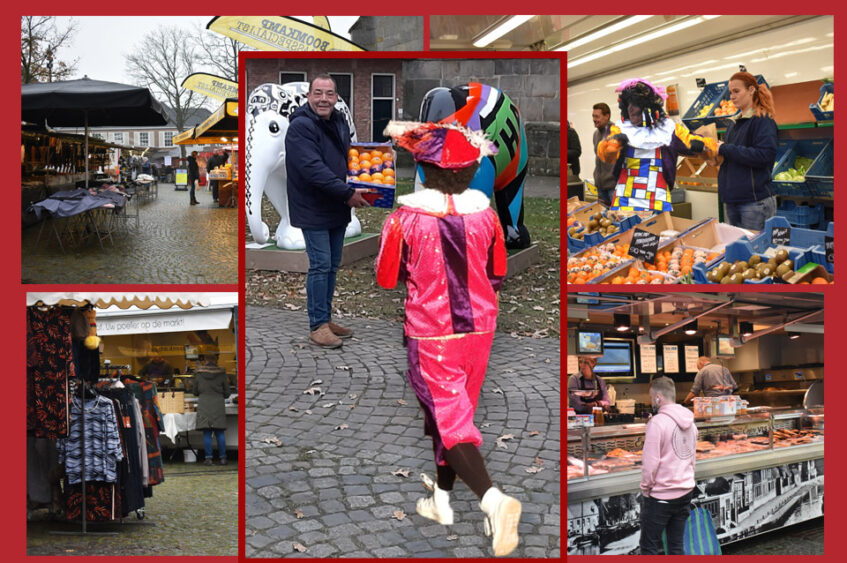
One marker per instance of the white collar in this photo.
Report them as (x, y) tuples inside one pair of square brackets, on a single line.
[(646, 137), (433, 201)]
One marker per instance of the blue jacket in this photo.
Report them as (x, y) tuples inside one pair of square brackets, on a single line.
[(749, 151), (316, 167)]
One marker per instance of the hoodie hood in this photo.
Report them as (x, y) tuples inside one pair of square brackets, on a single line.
[(211, 372), (683, 417)]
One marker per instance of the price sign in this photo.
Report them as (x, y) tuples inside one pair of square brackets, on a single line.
[(701, 82), (829, 246), (644, 245), (671, 357), (781, 236)]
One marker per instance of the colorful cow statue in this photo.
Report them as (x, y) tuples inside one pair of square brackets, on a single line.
[(482, 107), (268, 108)]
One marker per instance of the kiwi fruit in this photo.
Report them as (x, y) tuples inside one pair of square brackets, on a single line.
[(749, 274), (781, 269), (767, 271), (790, 263), (754, 260), (742, 265), (773, 262), (781, 256), (726, 279)]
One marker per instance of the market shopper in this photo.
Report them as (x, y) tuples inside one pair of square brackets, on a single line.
[(574, 149), (212, 389), (193, 176), (446, 242), (748, 151), (713, 380), (157, 370), (213, 162), (586, 389), (644, 147), (604, 174), (667, 470), (319, 200)]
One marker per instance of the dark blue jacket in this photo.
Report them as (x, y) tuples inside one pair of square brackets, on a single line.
[(316, 167), (749, 151)]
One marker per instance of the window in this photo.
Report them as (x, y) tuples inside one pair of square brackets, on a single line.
[(118, 137), (98, 136), (344, 85), (169, 139), (144, 139), (286, 77), (382, 105)]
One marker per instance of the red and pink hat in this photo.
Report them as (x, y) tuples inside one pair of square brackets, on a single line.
[(445, 145)]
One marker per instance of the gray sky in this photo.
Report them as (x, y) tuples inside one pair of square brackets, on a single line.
[(102, 42)]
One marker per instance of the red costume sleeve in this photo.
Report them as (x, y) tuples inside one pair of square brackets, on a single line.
[(499, 247), (390, 252)]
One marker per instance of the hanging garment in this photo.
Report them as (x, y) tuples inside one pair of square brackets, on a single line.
[(146, 394), (141, 442), (41, 467), (131, 485), (102, 501), (49, 369), (101, 451)]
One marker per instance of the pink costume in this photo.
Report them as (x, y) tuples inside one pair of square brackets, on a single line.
[(450, 251)]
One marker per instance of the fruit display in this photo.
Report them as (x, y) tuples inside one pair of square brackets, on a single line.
[(639, 276), (704, 111), (828, 102), (374, 165), (797, 173), (596, 262), (727, 107), (757, 268), (680, 261), (602, 222)]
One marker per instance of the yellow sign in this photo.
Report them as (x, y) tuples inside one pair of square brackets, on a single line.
[(280, 33), (321, 21), (181, 177), (184, 138), (211, 85)]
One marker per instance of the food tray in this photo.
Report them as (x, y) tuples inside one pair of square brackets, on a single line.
[(820, 174), (815, 108), (711, 94)]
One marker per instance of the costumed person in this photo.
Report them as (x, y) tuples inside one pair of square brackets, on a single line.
[(644, 147), (748, 151), (447, 244)]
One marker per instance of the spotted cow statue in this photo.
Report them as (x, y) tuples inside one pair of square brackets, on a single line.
[(268, 108), (488, 109)]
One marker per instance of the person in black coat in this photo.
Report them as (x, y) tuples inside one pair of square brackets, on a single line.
[(574, 149), (748, 151), (193, 176), (319, 199)]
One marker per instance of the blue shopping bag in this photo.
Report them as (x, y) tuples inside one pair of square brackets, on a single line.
[(700, 537)]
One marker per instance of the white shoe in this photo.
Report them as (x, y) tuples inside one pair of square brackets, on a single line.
[(436, 507), (503, 513)]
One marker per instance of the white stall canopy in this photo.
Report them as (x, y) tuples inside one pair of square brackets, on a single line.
[(110, 323), (102, 300)]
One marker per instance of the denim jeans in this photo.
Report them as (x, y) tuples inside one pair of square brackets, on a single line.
[(750, 215), (207, 442), (606, 196), (658, 515), (323, 248), (191, 184)]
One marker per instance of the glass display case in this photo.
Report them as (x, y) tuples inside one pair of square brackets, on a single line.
[(597, 452)]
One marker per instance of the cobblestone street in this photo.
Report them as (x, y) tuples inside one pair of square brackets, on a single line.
[(322, 464), (194, 512), (173, 243)]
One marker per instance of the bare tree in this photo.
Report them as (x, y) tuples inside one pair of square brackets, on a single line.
[(218, 53), (41, 38), (161, 62)]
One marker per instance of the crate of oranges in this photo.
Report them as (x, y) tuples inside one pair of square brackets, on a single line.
[(372, 166)]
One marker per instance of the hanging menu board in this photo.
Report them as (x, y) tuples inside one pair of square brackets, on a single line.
[(691, 355), (648, 358), (573, 365), (671, 357)]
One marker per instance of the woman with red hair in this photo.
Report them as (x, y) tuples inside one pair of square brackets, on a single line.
[(748, 151)]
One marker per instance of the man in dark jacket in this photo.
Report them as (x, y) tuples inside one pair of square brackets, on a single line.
[(574, 149), (319, 199), (213, 162), (604, 174), (193, 176)]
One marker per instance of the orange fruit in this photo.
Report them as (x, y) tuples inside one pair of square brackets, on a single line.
[(388, 172), (353, 159), (353, 166), (387, 156), (375, 160), (352, 152), (388, 180), (365, 177), (364, 163), (376, 154), (375, 180), (377, 176), (818, 281), (364, 156)]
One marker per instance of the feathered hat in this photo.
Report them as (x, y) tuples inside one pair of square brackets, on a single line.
[(445, 145)]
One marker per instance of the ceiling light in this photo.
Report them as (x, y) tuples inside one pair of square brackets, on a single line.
[(622, 323), (623, 24), (691, 329), (745, 328), (502, 29), (667, 30), (794, 336)]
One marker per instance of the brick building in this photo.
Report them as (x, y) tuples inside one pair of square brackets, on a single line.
[(378, 90)]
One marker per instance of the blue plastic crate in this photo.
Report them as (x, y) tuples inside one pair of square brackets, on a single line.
[(802, 215), (386, 193), (820, 175), (724, 121), (711, 94), (626, 224), (815, 108), (798, 237), (809, 148), (743, 250)]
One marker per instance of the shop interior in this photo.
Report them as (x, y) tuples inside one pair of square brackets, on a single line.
[(759, 455)]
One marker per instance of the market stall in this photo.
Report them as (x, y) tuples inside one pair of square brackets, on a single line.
[(759, 455)]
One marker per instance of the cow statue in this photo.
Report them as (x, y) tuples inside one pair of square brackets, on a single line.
[(268, 108), (488, 109)]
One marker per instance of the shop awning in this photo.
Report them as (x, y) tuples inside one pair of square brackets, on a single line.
[(220, 127), (122, 300), (110, 323)]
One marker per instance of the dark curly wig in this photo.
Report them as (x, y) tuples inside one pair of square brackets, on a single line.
[(642, 96)]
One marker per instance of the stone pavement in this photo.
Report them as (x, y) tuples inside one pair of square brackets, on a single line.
[(328, 484), (173, 243)]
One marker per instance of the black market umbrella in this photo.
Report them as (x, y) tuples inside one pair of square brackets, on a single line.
[(89, 103)]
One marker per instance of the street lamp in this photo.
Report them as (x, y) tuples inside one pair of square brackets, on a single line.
[(50, 64)]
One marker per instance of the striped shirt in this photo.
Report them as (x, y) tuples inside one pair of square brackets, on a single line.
[(102, 447)]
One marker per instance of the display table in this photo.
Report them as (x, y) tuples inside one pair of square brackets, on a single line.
[(181, 429)]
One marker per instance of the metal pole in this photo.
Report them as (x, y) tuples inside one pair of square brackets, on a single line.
[(86, 149)]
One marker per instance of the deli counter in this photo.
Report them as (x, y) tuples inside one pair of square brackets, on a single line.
[(755, 472)]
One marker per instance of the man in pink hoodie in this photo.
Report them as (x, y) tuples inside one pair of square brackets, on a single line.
[(667, 470)]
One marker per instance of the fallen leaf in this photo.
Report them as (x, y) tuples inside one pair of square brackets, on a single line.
[(312, 391), (343, 368), (452, 537), (502, 439), (538, 308), (399, 515), (292, 307), (402, 472), (402, 402), (498, 390), (299, 513), (328, 405), (342, 427), (534, 433), (316, 382), (299, 547), (538, 461), (292, 409), (272, 440), (353, 395), (308, 411), (485, 425), (534, 469)]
